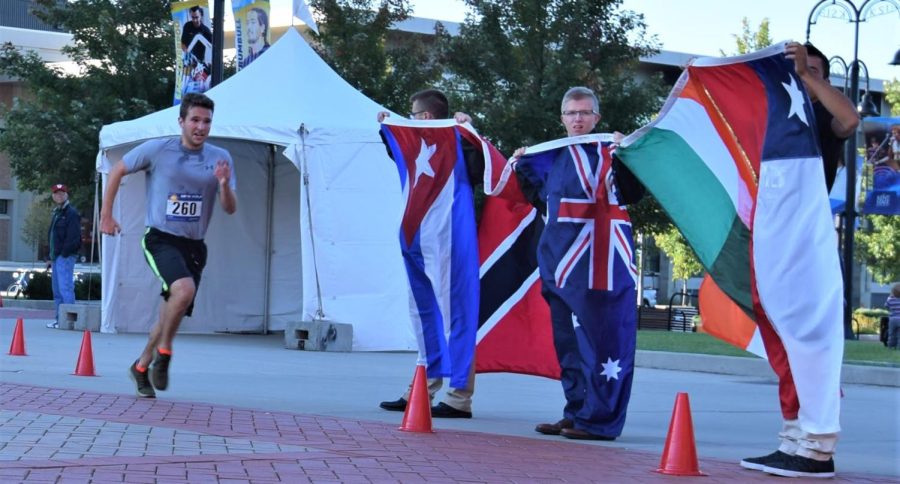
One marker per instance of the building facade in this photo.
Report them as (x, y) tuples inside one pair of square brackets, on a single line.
[(22, 29)]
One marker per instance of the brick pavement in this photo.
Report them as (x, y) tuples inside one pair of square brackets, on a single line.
[(57, 435)]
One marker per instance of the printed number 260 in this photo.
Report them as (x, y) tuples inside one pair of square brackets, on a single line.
[(183, 208)]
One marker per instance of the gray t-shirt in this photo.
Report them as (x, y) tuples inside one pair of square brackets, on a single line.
[(181, 184)]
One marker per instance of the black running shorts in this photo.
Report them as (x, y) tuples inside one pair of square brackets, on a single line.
[(172, 258)]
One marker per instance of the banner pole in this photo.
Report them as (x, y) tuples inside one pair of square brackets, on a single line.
[(218, 41)]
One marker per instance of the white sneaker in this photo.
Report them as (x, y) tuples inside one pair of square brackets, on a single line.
[(53, 325)]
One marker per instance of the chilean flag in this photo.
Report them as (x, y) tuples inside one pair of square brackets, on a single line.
[(734, 159), (438, 240)]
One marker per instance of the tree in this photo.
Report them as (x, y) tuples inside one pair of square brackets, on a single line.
[(356, 41), (514, 59), (878, 245), (750, 41), (37, 223), (123, 50), (892, 96), (684, 262)]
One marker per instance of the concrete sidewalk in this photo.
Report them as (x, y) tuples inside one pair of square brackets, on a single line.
[(282, 415)]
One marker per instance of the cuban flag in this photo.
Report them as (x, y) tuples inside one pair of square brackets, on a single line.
[(586, 258), (734, 160), (438, 240)]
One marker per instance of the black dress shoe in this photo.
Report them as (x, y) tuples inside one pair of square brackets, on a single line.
[(554, 428), (579, 434), (398, 405), (442, 410)]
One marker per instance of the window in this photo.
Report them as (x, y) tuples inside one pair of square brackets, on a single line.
[(4, 207)]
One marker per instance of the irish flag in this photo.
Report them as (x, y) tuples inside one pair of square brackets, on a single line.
[(733, 158)]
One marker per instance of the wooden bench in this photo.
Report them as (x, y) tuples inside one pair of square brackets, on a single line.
[(653, 318)]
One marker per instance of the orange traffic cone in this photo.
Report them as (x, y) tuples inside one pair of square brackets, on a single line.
[(17, 346), (679, 457), (85, 364), (417, 417)]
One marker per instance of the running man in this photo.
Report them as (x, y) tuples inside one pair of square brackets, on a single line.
[(184, 177)]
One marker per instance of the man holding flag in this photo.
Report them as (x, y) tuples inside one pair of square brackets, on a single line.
[(586, 262), (438, 164), (808, 444), (736, 160)]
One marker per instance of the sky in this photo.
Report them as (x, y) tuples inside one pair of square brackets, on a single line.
[(705, 27)]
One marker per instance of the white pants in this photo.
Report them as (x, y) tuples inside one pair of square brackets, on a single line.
[(795, 441)]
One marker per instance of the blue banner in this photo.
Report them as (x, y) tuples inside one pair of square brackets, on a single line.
[(193, 47)]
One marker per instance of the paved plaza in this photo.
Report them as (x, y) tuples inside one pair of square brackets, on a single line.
[(243, 409)]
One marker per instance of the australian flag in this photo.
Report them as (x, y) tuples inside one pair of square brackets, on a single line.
[(586, 259), (439, 243)]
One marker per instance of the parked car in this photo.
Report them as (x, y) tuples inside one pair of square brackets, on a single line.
[(649, 297)]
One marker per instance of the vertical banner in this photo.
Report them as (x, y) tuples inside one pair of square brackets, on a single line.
[(883, 152), (251, 30), (193, 47)]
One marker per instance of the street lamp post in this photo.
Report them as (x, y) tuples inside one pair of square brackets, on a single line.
[(847, 10)]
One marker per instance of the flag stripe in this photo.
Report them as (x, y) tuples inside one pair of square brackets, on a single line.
[(672, 170), (506, 275), (732, 86), (710, 150)]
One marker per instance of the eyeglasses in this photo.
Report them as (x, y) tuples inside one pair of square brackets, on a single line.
[(575, 114), (416, 113)]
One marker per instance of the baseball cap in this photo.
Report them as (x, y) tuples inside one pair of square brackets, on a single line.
[(59, 187)]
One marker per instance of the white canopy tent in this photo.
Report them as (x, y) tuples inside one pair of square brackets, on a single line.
[(285, 118)]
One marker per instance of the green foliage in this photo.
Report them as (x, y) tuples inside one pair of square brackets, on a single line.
[(37, 222), (387, 66), (514, 60), (39, 286), (123, 51), (749, 41), (684, 262), (878, 245), (892, 95), (870, 312), (868, 320), (88, 288), (856, 352)]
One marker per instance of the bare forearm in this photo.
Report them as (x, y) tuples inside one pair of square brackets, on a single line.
[(227, 198), (846, 118)]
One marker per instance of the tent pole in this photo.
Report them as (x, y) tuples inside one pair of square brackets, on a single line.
[(320, 312), (270, 203), (95, 227)]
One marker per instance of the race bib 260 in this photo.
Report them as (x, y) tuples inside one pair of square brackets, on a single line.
[(184, 207)]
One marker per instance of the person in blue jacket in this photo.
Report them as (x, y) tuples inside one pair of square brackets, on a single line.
[(65, 241)]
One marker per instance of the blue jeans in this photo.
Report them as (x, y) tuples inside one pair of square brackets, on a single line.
[(63, 281)]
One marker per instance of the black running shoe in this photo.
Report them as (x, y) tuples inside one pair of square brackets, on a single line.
[(757, 463), (159, 370), (142, 380), (799, 466)]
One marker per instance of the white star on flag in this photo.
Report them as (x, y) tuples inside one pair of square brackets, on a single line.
[(423, 161), (797, 100), (611, 369), (575, 323)]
